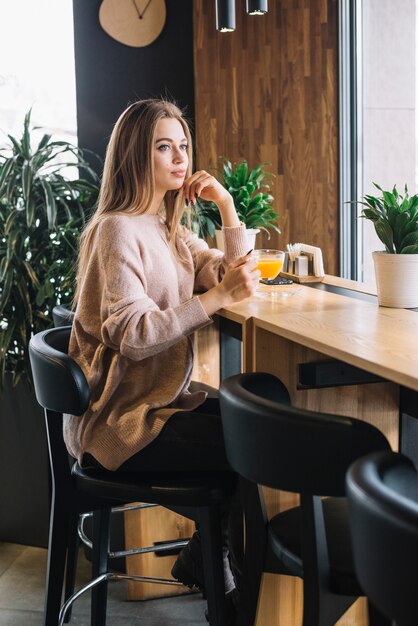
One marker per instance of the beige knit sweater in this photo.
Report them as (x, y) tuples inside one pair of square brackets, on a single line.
[(132, 332)]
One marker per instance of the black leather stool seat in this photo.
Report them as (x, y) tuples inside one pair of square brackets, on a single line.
[(177, 489), (285, 541)]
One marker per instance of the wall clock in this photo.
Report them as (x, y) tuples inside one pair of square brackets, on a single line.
[(133, 22)]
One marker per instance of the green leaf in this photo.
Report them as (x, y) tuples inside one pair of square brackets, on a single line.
[(410, 249), (389, 198), (4, 266), (400, 228), (51, 207), (370, 214), (40, 296), (6, 291), (4, 173), (32, 275), (44, 142), (10, 223), (411, 239), (242, 171), (25, 299), (11, 242), (256, 175), (30, 211), (16, 145), (37, 200), (385, 234), (26, 180)]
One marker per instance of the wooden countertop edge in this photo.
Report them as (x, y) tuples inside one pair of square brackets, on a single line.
[(234, 316), (346, 283), (312, 343), (242, 313)]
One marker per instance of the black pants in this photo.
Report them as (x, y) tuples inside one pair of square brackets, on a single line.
[(192, 441)]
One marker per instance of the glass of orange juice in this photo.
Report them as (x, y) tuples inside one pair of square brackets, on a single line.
[(270, 263)]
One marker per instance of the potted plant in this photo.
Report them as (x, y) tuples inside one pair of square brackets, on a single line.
[(42, 211), (395, 219), (250, 191)]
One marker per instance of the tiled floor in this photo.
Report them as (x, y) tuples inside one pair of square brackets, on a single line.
[(22, 578)]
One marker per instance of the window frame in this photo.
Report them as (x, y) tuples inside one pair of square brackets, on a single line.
[(350, 134)]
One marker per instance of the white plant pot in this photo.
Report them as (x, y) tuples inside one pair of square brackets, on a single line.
[(251, 235), (396, 279)]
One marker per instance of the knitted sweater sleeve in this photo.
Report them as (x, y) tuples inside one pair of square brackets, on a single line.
[(210, 263), (131, 321)]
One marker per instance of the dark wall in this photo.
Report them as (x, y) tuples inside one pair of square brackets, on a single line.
[(110, 75)]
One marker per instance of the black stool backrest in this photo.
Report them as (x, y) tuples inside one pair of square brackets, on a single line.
[(382, 490), (287, 448), (60, 387), (60, 384), (62, 315)]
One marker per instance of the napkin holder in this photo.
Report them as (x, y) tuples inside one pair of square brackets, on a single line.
[(307, 267)]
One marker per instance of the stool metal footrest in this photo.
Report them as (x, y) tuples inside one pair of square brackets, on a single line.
[(161, 547), (110, 577)]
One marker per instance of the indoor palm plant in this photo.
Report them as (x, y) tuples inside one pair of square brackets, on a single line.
[(41, 213), (250, 190), (395, 220)]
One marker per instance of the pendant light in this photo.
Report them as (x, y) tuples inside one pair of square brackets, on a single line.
[(257, 7), (225, 15)]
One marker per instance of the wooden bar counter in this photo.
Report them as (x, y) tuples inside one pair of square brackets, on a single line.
[(374, 358)]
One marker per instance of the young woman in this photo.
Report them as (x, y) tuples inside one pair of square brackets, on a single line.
[(137, 308)]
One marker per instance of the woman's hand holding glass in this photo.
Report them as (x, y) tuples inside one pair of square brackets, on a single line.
[(269, 263), (238, 283), (241, 278)]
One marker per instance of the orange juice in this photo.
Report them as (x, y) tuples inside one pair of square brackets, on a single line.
[(269, 268)]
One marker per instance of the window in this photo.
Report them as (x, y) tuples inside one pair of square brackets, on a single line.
[(37, 67), (379, 93)]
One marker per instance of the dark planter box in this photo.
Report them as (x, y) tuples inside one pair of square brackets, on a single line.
[(25, 485)]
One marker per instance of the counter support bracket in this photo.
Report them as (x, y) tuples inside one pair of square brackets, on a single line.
[(333, 373)]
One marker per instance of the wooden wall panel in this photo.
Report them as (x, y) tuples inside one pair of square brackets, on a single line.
[(268, 93)]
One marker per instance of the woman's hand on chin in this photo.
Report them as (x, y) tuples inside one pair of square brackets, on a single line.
[(203, 185)]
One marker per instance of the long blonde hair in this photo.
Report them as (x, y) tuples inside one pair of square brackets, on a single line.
[(128, 174)]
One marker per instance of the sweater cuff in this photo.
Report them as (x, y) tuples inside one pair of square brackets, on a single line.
[(191, 316), (235, 242)]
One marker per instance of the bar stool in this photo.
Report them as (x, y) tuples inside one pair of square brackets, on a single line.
[(61, 387), (382, 490), (305, 452), (63, 315)]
